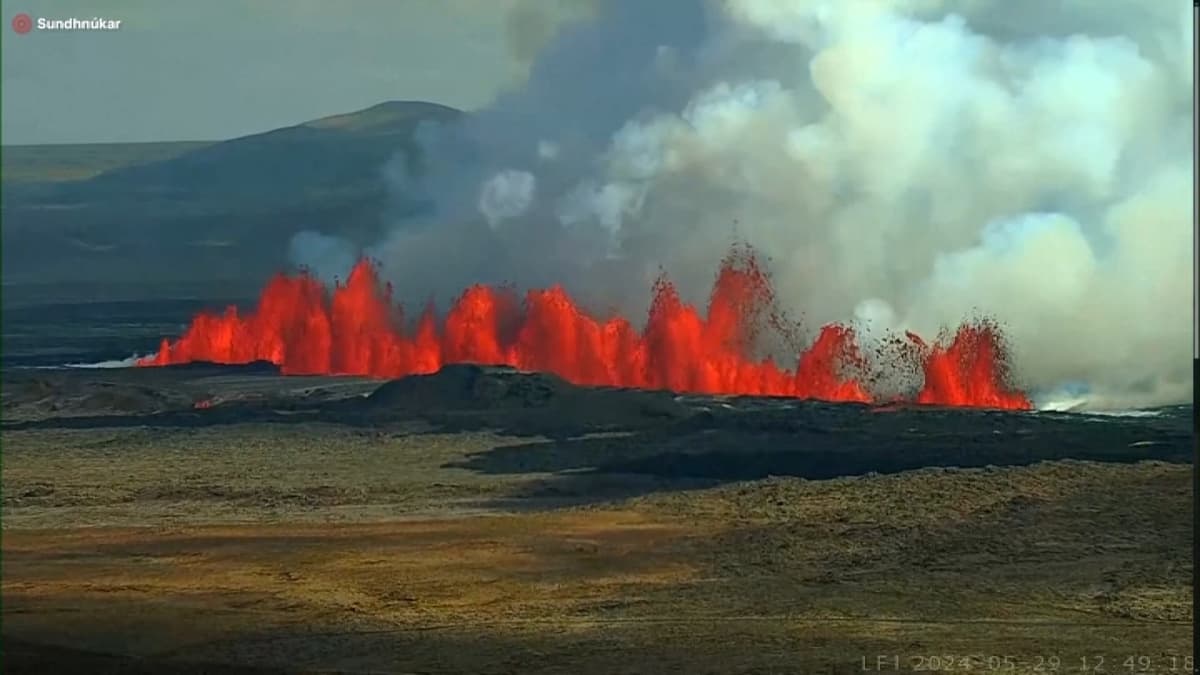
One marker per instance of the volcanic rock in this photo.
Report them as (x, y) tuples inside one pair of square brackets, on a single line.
[(476, 396)]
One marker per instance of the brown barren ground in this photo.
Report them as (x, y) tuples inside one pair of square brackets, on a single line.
[(318, 548)]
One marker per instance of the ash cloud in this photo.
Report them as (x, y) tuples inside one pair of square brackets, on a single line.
[(914, 162)]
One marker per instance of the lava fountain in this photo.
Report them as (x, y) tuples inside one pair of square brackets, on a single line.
[(356, 329)]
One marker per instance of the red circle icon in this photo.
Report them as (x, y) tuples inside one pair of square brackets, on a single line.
[(22, 23)]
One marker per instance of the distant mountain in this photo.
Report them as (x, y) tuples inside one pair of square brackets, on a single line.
[(223, 211), (332, 154), (72, 162)]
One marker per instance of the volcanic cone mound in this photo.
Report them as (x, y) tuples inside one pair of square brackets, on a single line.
[(520, 401), (471, 387)]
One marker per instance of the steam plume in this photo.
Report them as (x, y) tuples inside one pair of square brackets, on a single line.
[(904, 163)]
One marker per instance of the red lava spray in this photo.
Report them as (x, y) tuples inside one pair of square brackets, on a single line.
[(356, 329)]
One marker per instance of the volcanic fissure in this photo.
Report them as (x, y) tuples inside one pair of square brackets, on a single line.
[(356, 329)]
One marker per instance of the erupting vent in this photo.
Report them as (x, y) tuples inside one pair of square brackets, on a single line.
[(358, 330)]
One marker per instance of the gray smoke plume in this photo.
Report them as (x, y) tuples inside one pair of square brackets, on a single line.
[(908, 163), (326, 257)]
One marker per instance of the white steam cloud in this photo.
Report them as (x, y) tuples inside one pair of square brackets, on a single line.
[(901, 162), (506, 195)]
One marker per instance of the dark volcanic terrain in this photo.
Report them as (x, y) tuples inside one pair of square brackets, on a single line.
[(485, 520)]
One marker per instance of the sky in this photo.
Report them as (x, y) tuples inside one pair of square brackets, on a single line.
[(219, 69)]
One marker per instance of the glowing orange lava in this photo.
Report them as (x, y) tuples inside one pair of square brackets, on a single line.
[(358, 330)]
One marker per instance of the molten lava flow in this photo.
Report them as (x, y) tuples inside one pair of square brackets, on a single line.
[(357, 330), (969, 370)]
